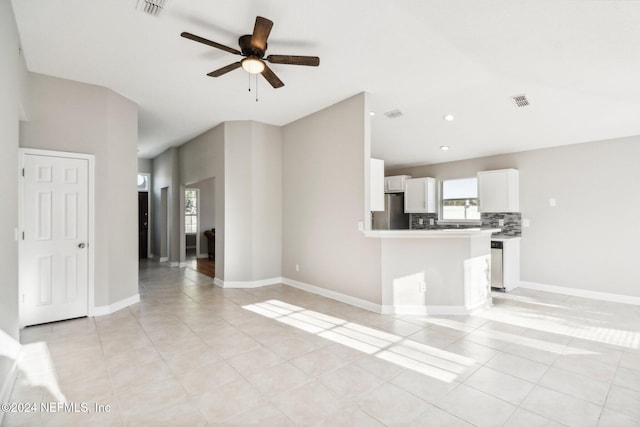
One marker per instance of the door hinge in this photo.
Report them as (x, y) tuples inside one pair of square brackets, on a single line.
[(23, 235), (22, 171)]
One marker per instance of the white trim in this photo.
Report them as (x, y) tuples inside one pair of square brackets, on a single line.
[(163, 259), (200, 256), (9, 349), (91, 223), (108, 309), (173, 264), (247, 284), (603, 296), (347, 299), (183, 264)]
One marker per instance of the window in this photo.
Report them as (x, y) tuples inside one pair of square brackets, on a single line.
[(143, 182), (460, 199), (191, 211)]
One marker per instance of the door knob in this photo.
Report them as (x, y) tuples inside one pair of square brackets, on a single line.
[(81, 245)]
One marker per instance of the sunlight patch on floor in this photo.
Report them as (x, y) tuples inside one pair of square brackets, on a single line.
[(421, 358), (563, 326)]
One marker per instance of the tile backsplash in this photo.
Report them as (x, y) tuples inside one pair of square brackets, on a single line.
[(512, 222), (415, 221)]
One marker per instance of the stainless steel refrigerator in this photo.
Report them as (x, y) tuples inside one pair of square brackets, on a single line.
[(393, 216)]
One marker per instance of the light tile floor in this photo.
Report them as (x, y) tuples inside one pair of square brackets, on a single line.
[(193, 354)]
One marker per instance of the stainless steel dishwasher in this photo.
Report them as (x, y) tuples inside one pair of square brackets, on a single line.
[(497, 266)]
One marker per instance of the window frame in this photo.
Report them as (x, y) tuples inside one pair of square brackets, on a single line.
[(196, 215)]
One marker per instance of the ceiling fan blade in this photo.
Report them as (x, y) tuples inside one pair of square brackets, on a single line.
[(261, 32), (225, 70), (271, 77), (210, 43), (312, 61)]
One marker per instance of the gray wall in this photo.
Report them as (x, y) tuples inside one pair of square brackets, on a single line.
[(164, 170), (203, 158), (253, 202), (244, 158), (13, 87), (323, 163), (82, 118), (589, 240), (145, 166)]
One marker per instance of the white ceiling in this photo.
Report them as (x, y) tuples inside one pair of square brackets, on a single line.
[(578, 62)]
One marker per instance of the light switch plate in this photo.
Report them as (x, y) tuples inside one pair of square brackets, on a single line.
[(552, 202), (525, 223)]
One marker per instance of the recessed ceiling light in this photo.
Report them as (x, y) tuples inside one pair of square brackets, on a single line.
[(448, 117), (444, 147)]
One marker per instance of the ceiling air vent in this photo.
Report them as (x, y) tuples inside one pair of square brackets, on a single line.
[(393, 114), (151, 7), (520, 100)]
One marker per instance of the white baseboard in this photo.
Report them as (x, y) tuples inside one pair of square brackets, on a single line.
[(174, 264), (162, 258), (229, 284), (202, 256), (12, 350), (347, 299), (108, 309), (182, 264), (603, 296)]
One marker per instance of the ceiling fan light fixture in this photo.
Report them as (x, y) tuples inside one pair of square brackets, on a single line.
[(253, 65)]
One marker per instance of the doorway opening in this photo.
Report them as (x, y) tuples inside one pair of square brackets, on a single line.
[(199, 225)]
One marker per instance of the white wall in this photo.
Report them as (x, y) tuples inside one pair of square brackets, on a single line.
[(163, 173), (323, 163), (586, 242), (82, 118), (13, 87)]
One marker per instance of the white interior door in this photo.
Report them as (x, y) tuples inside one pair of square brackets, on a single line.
[(54, 258)]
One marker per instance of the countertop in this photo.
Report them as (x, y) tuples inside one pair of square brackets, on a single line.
[(432, 234), (503, 238)]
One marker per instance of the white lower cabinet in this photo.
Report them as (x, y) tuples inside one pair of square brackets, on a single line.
[(420, 195)]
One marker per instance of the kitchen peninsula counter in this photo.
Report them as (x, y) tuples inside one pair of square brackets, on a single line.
[(445, 271)]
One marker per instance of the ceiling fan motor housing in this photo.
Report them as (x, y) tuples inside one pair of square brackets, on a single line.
[(248, 49)]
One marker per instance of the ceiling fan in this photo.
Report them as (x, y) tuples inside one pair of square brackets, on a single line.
[(253, 47)]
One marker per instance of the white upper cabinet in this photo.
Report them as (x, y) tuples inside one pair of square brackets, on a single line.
[(395, 184), (376, 184), (498, 191), (420, 195)]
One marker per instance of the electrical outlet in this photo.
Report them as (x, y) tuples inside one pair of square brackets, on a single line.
[(423, 287), (501, 222), (297, 267), (525, 223), (421, 221), (431, 221), (552, 202)]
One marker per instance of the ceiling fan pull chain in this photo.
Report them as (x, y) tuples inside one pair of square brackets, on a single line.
[(249, 82), (256, 87)]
